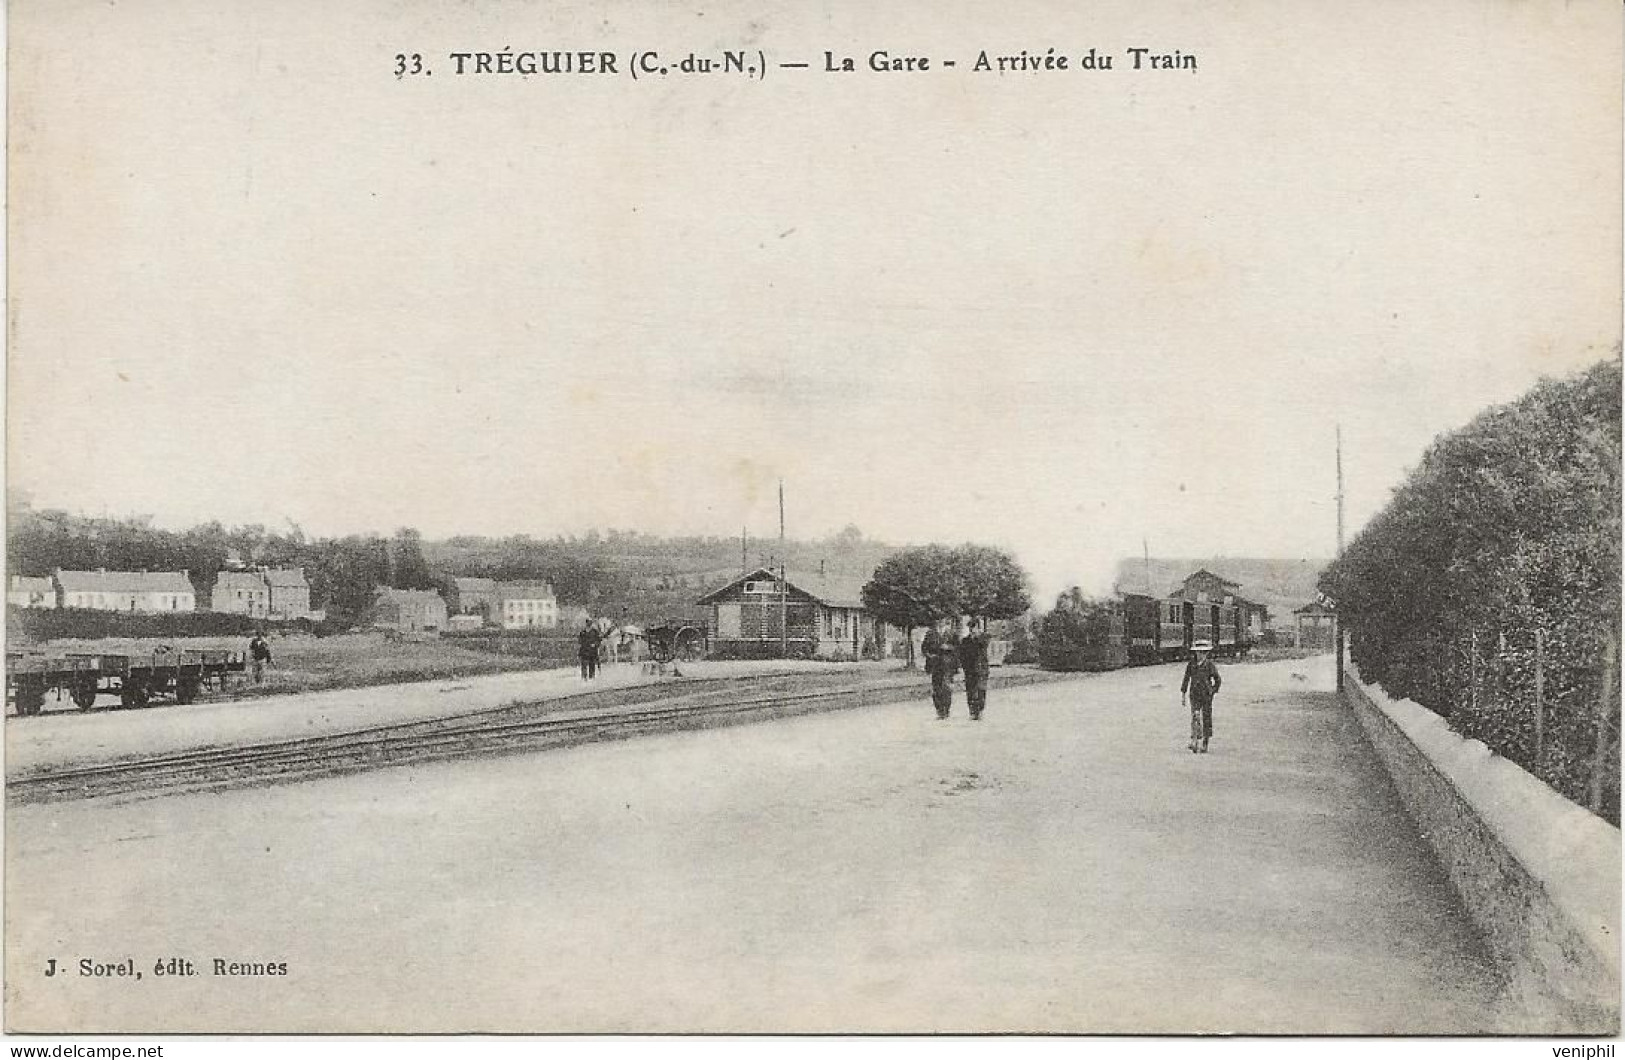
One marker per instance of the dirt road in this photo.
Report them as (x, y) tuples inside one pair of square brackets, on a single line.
[(1064, 865)]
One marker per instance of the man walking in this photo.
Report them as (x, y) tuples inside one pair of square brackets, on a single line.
[(259, 651), (940, 649), (974, 662), (587, 643), (1201, 682)]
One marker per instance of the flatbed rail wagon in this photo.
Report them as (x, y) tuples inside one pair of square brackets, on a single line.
[(135, 677)]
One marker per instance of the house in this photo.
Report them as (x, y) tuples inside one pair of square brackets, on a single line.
[(409, 610), (1316, 626), (149, 592), (290, 592), (473, 596), (1205, 587), (240, 592), (264, 592), (30, 592), (527, 605), (756, 616)]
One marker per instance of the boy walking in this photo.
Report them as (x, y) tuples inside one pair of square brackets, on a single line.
[(1201, 682)]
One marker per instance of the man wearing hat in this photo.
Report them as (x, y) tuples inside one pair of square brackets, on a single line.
[(1201, 682), (941, 650), (587, 643), (973, 663)]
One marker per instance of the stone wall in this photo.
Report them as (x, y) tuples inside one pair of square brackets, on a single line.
[(1539, 875)]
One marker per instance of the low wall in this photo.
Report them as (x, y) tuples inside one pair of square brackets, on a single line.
[(1539, 875)]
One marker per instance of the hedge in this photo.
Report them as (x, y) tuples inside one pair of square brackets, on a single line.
[(34, 624), (1508, 533)]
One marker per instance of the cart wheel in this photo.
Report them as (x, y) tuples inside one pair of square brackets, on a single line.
[(84, 694), (30, 700), (133, 695), (186, 690), (691, 647)]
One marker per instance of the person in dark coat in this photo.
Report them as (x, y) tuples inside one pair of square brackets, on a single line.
[(587, 644), (974, 663), (259, 651), (1201, 683), (941, 651)]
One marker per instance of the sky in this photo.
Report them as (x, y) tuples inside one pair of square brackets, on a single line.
[(256, 278)]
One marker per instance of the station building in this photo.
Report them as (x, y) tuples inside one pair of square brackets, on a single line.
[(808, 616)]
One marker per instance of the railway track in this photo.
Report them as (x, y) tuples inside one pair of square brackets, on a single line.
[(505, 730)]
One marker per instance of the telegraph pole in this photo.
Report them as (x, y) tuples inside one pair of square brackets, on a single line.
[(784, 586), (1146, 546), (1337, 620)]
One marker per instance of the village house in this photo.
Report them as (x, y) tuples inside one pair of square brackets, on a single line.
[(290, 592), (240, 592), (473, 596), (527, 605), (148, 592), (409, 610), (30, 592), (823, 617), (265, 592), (1205, 587)]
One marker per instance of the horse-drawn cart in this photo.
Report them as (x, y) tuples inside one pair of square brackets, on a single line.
[(676, 641)]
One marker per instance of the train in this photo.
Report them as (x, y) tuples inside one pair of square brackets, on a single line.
[(1137, 630)]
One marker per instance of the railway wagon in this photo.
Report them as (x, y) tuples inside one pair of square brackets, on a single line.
[(136, 678), (1163, 630)]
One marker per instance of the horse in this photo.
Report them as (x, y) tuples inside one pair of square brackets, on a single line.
[(617, 642)]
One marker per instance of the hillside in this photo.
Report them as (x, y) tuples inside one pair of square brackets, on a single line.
[(1280, 584)]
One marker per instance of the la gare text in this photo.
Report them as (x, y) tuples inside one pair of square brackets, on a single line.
[(508, 61)]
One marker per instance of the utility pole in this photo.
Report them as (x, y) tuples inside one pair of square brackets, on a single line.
[(784, 586), (1337, 619), (1146, 546), (744, 553)]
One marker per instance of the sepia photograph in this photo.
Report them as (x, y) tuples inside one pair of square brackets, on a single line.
[(813, 518)]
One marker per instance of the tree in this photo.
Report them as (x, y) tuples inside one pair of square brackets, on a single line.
[(911, 589), (991, 584), (917, 586), (1074, 635), (408, 568)]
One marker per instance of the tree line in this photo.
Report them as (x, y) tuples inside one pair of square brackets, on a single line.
[(611, 572)]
